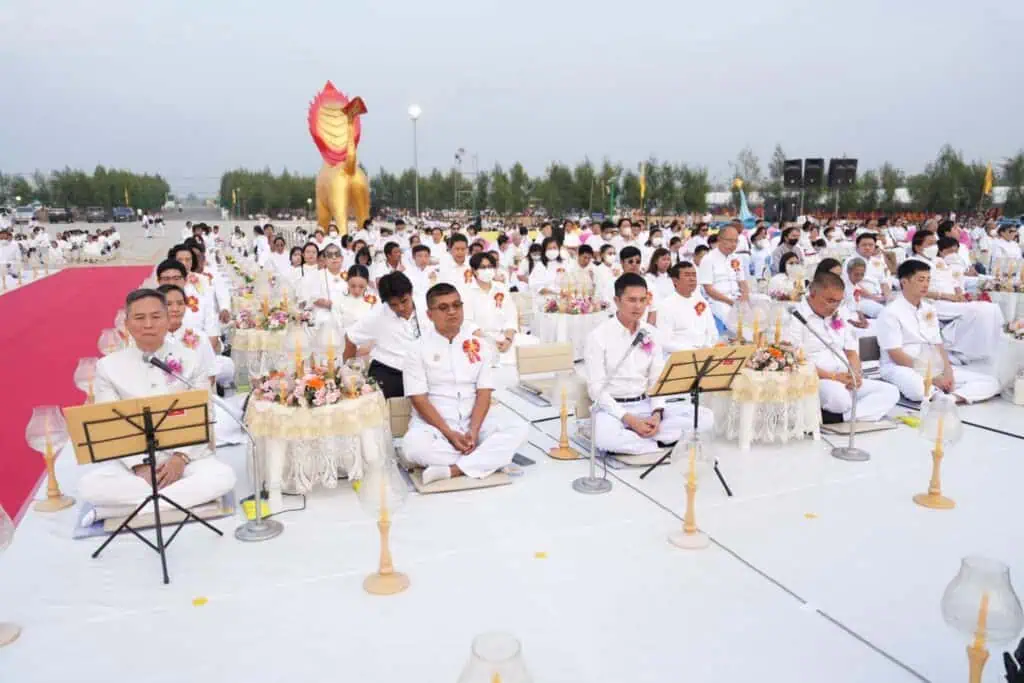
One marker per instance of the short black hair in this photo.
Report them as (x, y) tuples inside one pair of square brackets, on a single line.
[(826, 280), (359, 271), (866, 236), (677, 268), (502, 238), (478, 258), (399, 222), (585, 249), (140, 294), (700, 249), (629, 252), (919, 237), (167, 289), (364, 251), (394, 286), (457, 237), (910, 268), (826, 265), (389, 247), (420, 248), (944, 227), (625, 219), (439, 290), (171, 264), (627, 280), (947, 242)]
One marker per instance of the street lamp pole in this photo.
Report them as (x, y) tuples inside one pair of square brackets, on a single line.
[(414, 114)]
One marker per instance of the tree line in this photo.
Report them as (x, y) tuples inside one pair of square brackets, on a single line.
[(76, 188)]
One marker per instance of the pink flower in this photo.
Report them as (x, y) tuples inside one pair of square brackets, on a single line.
[(174, 364), (836, 323), (647, 345)]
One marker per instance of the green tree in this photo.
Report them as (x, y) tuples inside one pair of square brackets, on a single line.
[(890, 178), (19, 187), (1012, 175), (501, 191), (520, 188)]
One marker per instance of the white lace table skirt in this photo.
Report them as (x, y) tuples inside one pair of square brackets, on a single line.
[(772, 407), (1009, 363), (554, 328)]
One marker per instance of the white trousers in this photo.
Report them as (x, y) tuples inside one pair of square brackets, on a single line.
[(975, 330), (115, 491), (613, 436), (425, 446), (971, 386), (874, 399), (224, 369)]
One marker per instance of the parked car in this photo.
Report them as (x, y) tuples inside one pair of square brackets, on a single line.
[(95, 214), (24, 214), (123, 214), (58, 214)]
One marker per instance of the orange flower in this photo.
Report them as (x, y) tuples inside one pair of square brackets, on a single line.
[(700, 307), (774, 353), (192, 303), (735, 263), (315, 383), (370, 299), (499, 299), (467, 275)]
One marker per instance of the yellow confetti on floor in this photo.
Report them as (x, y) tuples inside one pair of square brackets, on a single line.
[(199, 602), (356, 484), (540, 555), (811, 515)]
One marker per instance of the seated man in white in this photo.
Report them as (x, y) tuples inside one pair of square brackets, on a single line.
[(190, 476), (875, 286), (908, 332), (627, 420), (490, 307), (449, 380), (722, 276), (822, 311), (684, 320)]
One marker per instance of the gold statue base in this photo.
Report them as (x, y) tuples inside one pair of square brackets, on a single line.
[(55, 504), (698, 540), (9, 633), (563, 453), (977, 656), (934, 501), (385, 584)]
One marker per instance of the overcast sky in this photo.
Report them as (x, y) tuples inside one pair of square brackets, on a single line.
[(190, 88)]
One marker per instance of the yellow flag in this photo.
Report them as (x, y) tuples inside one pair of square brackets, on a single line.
[(127, 202), (987, 187), (643, 181), (234, 197)]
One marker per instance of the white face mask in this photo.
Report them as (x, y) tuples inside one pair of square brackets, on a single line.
[(551, 254), (626, 233), (931, 251), (564, 253), (333, 234), (485, 274), (608, 259), (655, 241), (953, 260), (759, 243)]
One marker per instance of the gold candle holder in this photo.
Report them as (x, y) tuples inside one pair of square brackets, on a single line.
[(562, 451), (386, 581), (934, 498), (690, 538), (55, 501), (940, 424)]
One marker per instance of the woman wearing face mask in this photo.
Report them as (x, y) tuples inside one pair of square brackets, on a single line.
[(789, 244), (655, 240), (606, 273), (490, 306), (760, 254), (526, 266), (782, 286), (547, 275)]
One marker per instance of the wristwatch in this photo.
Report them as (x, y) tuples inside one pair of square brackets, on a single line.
[(660, 412)]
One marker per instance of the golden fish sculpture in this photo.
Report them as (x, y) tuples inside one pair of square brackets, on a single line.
[(341, 186)]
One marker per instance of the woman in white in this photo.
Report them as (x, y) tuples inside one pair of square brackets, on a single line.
[(526, 267), (658, 281), (655, 241), (782, 286), (547, 275), (490, 306), (324, 291), (760, 254), (850, 309), (359, 302)]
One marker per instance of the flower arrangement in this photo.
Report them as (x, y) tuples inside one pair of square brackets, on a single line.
[(780, 294), (303, 316), (190, 339), (1016, 328), (774, 358), (1002, 284), (275, 320), (981, 296), (574, 305), (471, 347), (314, 389)]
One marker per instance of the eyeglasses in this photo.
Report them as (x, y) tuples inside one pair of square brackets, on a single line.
[(333, 254), (448, 308)]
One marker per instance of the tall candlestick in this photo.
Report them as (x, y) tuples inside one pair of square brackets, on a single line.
[(928, 379), (89, 396), (266, 306), (330, 359), (757, 326), (298, 357), (778, 327), (981, 633), (383, 495), (692, 476), (284, 302), (739, 325), (938, 431)]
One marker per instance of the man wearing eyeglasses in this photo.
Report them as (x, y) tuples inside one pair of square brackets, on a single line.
[(449, 379), (393, 329), (722, 276)]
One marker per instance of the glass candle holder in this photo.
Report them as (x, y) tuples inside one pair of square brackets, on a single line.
[(495, 658)]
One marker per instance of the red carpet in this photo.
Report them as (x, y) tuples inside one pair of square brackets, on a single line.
[(47, 327)]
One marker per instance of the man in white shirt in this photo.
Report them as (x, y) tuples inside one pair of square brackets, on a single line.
[(875, 288), (722, 276), (911, 344), (393, 329), (422, 275), (449, 380), (392, 263), (437, 246), (190, 338), (627, 420), (455, 268), (199, 314), (684, 319), (189, 476), (821, 310)]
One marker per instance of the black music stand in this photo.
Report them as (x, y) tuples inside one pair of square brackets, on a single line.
[(695, 372), (120, 429)]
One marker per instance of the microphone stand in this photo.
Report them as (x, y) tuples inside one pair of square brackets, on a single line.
[(258, 529), (848, 452), (593, 484)]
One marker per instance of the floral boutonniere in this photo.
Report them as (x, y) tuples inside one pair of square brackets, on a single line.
[(190, 339), (836, 323), (700, 308), (499, 299), (929, 317), (939, 264), (471, 347), (559, 271), (857, 294), (433, 276), (174, 365), (344, 276), (467, 276), (192, 279), (616, 271), (647, 344), (735, 263), (370, 299), (192, 303), (209, 276)]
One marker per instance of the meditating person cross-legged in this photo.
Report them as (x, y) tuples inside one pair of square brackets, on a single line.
[(822, 309), (628, 421), (449, 380), (908, 329), (189, 476)]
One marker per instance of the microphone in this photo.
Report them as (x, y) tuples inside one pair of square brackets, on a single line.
[(639, 338), (258, 529), (848, 452)]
